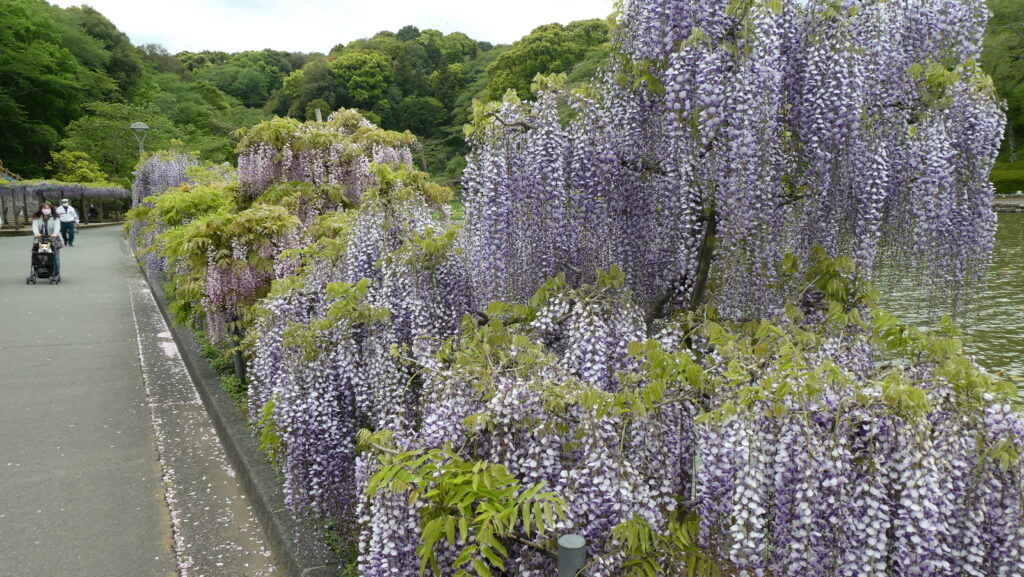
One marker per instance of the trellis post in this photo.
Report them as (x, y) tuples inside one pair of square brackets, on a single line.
[(572, 555)]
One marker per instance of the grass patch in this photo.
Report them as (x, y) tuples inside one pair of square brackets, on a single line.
[(458, 210), (1008, 177)]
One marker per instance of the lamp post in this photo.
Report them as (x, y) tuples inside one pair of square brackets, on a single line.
[(139, 128)]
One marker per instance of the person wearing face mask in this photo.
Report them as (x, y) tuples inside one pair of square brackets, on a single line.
[(44, 222), (68, 222)]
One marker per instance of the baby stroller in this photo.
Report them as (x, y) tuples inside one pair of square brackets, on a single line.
[(44, 261)]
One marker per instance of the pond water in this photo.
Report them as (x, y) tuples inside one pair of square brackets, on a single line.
[(994, 324)]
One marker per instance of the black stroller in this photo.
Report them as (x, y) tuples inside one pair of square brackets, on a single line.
[(44, 262)]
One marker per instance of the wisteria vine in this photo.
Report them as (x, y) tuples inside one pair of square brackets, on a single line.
[(653, 327)]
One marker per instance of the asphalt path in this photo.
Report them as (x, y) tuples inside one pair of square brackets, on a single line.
[(109, 466)]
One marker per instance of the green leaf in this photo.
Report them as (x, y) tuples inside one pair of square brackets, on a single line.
[(494, 558), (450, 530), (465, 555), (481, 568)]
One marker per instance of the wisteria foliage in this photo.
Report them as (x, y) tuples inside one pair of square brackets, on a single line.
[(644, 331), (155, 175), (336, 152)]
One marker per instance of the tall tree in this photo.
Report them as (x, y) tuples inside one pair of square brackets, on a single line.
[(1003, 59), (318, 82), (75, 166)]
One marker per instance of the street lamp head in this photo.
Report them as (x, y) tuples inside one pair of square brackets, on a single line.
[(139, 128)]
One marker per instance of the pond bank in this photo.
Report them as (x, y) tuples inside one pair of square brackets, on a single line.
[(1008, 203)]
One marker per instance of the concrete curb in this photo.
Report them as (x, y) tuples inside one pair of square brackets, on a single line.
[(296, 557)]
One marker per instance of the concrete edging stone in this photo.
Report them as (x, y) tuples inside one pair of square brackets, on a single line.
[(295, 556)]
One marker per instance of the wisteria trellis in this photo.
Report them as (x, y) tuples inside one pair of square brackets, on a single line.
[(825, 439)]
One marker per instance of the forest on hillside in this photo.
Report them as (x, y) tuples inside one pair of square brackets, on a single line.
[(71, 83)]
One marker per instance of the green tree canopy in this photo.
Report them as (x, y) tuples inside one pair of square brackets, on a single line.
[(548, 49), (103, 133), (76, 166), (422, 115), (40, 82), (124, 65), (363, 77), (249, 76)]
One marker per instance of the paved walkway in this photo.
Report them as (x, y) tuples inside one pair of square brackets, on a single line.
[(109, 466)]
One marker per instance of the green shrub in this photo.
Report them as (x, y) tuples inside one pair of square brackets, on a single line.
[(221, 361), (237, 389)]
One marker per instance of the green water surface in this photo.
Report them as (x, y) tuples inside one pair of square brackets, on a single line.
[(994, 324)]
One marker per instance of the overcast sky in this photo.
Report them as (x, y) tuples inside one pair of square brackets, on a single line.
[(318, 25)]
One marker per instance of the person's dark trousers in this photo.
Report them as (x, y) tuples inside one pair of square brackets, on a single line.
[(67, 232)]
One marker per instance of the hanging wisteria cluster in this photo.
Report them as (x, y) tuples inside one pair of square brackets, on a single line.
[(454, 396), (336, 152), (242, 258), (730, 135), (155, 175), (807, 447), (769, 126), (330, 350)]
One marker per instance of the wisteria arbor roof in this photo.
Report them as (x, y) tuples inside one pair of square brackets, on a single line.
[(61, 189)]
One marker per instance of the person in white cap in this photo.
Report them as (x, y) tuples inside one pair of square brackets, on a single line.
[(68, 221)]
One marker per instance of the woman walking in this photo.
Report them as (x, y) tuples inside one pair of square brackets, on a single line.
[(45, 223)]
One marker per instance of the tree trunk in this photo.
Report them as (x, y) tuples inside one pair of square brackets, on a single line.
[(661, 309), (1011, 142), (707, 252)]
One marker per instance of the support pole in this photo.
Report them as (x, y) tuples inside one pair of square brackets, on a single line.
[(572, 555), (236, 349)]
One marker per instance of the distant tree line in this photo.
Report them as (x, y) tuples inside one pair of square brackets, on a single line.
[(70, 81)]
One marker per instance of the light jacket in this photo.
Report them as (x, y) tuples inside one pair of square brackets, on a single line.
[(52, 225), (66, 215)]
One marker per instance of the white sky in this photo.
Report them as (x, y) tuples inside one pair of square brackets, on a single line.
[(318, 25)]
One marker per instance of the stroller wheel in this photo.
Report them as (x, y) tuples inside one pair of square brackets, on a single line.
[(28, 280)]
